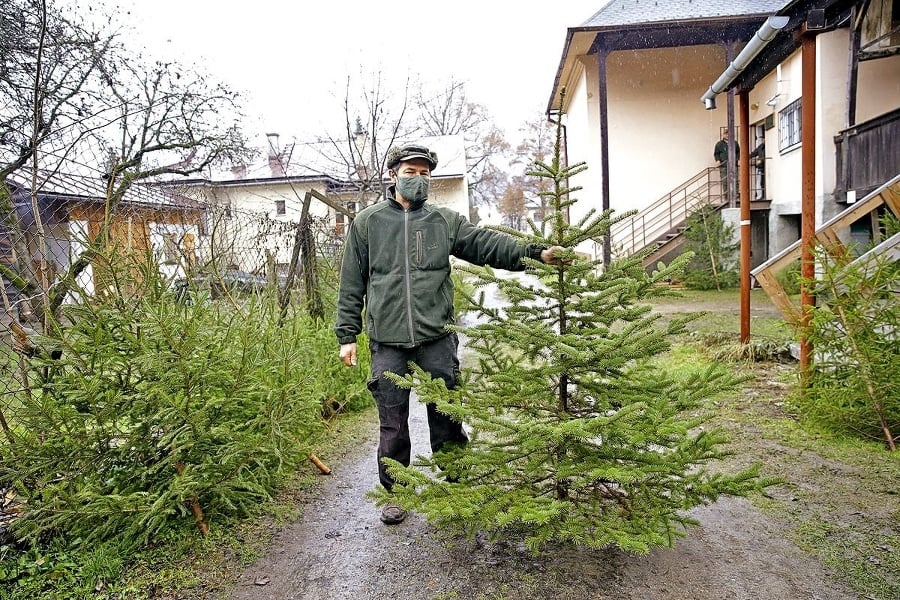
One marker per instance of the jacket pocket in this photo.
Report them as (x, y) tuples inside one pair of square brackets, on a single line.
[(432, 247)]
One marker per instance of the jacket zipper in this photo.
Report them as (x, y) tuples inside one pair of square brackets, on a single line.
[(420, 248), (409, 314)]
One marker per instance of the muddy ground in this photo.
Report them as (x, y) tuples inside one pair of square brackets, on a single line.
[(338, 549)]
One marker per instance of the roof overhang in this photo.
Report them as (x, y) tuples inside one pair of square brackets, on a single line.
[(582, 41)]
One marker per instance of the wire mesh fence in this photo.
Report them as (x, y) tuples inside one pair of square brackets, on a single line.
[(66, 238)]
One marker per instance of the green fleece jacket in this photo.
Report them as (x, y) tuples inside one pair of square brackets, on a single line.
[(397, 264)]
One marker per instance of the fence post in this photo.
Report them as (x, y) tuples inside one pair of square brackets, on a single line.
[(310, 271), (284, 295)]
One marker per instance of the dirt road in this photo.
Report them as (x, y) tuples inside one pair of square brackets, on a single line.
[(340, 550)]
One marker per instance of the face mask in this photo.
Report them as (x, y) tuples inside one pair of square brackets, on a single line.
[(413, 189)]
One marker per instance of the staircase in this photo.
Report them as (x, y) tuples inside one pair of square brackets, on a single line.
[(660, 226)]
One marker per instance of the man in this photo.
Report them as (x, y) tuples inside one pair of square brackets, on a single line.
[(720, 153), (758, 159), (397, 263)]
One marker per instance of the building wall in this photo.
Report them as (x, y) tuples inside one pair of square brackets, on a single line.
[(878, 92), (880, 79), (452, 193), (660, 134), (583, 143), (250, 243), (261, 198), (244, 241)]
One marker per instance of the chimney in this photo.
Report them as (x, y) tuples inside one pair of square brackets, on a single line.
[(361, 143), (275, 158), (239, 171)]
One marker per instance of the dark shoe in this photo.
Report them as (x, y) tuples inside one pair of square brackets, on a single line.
[(392, 514)]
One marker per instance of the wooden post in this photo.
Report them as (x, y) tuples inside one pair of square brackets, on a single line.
[(284, 295), (808, 196), (744, 188), (602, 98)]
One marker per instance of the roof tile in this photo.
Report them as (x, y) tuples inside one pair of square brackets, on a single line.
[(635, 12)]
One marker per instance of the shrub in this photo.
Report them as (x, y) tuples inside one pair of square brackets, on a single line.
[(161, 411), (789, 278), (854, 333), (714, 261)]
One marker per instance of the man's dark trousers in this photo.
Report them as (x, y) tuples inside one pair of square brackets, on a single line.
[(438, 358)]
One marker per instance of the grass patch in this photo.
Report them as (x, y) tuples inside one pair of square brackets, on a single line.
[(839, 499), (870, 564)]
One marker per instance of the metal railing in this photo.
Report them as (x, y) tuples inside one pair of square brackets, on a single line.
[(655, 223)]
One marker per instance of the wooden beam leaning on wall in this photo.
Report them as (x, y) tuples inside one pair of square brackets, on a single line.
[(827, 235)]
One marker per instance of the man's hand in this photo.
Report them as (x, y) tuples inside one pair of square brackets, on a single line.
[(348, 354), (550, 255)]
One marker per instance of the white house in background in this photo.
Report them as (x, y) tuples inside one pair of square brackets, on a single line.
[(254, 209), (634, 74), (449, 181)]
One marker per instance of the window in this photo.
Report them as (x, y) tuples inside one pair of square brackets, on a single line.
[(280, 208), (339, 227), (789, 126), (880, 30)]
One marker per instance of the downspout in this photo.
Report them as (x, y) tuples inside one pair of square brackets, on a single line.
[(731, 160), (765, 34)]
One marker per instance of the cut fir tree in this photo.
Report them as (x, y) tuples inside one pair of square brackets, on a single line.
[(576, 435)]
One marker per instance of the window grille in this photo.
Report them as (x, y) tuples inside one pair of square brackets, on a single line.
[(789, 126)]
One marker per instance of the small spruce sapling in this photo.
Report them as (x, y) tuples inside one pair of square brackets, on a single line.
[(714, 263), (576, 435), (854, 327)]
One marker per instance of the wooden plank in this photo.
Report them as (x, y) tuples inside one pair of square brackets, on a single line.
[(888, 194), (778, 296), (854, 213), (830, 241), (888, 250), (891, 197), (323, 198), (780, 260)]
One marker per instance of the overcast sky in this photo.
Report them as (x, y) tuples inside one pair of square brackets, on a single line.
[(293, 58)]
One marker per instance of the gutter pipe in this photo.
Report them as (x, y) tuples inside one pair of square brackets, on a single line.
[(760, 39)]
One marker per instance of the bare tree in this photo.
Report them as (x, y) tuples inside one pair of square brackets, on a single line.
[(50, 70), (512, 203), (73, 97), (539, 136), (376, 115), (449, 112)]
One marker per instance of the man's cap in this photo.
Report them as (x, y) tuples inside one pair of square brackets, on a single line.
[(399, 154)]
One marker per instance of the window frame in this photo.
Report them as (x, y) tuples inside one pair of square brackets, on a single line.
[(790, 126)]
